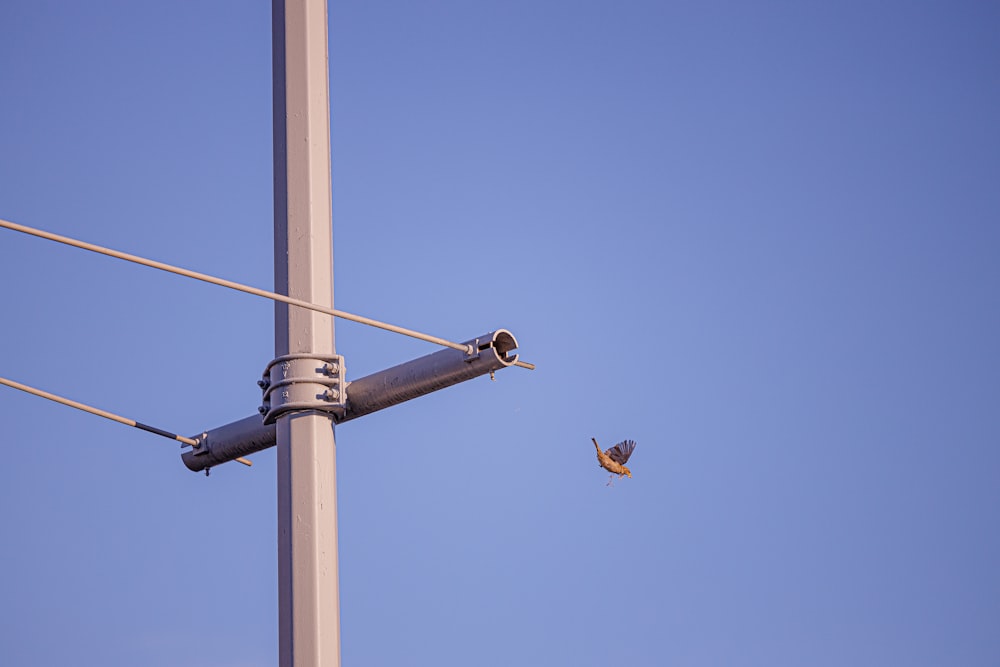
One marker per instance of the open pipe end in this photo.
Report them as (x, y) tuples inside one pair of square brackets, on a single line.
[(503, 344)]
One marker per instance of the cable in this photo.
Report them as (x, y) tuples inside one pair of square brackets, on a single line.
[(107, 415), (242, 288)]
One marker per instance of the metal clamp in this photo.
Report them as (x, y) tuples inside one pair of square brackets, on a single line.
[(296, 382)]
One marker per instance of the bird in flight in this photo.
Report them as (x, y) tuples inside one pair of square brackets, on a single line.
[(614, 459)]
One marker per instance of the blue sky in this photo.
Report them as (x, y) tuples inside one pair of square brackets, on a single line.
[(761, 239)]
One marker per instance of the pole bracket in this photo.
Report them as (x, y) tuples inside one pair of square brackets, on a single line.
[(298, 382)]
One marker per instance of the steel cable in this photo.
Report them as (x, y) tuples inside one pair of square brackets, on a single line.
[(242, 288)]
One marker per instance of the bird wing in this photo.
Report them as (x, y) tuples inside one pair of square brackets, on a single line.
[(620, 452)]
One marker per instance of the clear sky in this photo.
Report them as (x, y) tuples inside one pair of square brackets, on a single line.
[(760, 239)]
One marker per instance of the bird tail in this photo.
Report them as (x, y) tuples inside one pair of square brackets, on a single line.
[(597, 446)]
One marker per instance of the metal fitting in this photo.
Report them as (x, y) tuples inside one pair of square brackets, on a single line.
[(298, 382)]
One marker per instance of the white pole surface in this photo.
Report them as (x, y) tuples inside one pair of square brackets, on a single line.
[(308, 586)]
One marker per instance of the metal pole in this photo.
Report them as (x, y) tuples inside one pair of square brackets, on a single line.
[(308, 586)]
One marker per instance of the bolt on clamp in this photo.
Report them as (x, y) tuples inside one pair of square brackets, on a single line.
[(298, 382)]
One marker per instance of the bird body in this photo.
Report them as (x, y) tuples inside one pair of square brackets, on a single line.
[(613, 460)]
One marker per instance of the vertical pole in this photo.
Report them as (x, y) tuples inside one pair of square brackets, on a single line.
[(308, 587)]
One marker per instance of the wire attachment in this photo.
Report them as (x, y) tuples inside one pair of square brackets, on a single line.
[(185, 442), (297, 382)]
